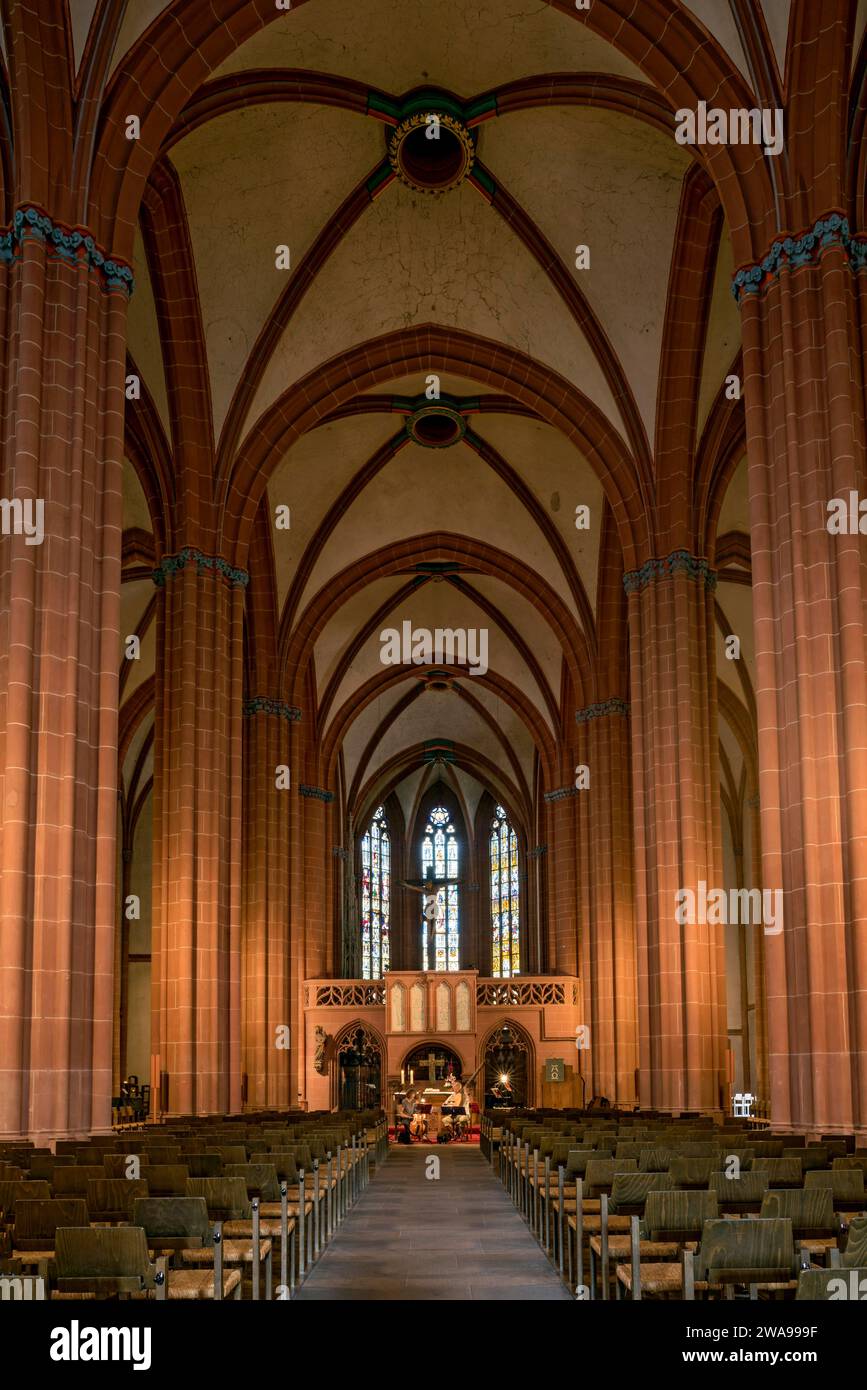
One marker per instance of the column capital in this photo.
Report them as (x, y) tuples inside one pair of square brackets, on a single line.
[(263, 704), (172, 564), (794, 252), (613, 706), (318, 793), (678, 562), (74, 245)]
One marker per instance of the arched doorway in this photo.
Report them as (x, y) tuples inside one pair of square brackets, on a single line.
[(357, 1069), (429, 1063), (508, 1055)]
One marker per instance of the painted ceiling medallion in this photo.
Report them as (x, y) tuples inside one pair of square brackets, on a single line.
[(431, 151), (436, 426)]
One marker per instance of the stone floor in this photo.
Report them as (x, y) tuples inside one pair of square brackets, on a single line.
[(413, 1237)]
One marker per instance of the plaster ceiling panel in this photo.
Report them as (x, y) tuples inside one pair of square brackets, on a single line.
[(575, 170), (736, 602), (559, 476), (441, 606), (735, 510), (80, 14), (346, 624), (136, 512), (289, 167), (134, 599), (310, 478), (717, 18), (146, 664), (420, 491), (415, 259), (416, 383), (732, 747), (776, 14), (723, 337), (510, 724), (539, 637), (407, 790), (463, 47), (472, 790), (137, 16), (441, 714), (143, 334), (364, 726), (144, 727)]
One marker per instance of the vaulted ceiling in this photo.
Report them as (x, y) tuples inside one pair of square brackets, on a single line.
[(287, 145)]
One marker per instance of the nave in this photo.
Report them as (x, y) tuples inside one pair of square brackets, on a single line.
[(417, 1237)]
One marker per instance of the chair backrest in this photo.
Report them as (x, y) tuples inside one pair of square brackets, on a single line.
[(226, 1198), (747, 1252), (600, 1172), (104, 1258), (72, 1182), (833, 1285), (113, 1196), (209, 1165), (678, 1214), (692, 1172), (808, 1209), (231, 1153), (14, 1190), (745, 1157), (629, 1191), (654, 1159), (846, 1184), (166, 1179), (261, 1179), (811, 1157), (284, 1164), (173, 1217), (767, 1148), (782, 1172), (38, 1220), (748, 1188), (856, 1242)]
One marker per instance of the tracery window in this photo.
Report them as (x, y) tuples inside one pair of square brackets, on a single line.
[(440, 932), (375, 897), (505, 898)]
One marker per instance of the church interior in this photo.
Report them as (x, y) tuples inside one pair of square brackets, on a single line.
[(506, 856)]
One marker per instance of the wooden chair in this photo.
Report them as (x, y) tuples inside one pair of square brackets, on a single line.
[(670, 1218), (846, 1186), (36, 1223), (740, 1196), (110, 1200), (833, 1285), (811, 1212), (751, 1254), (246, 1239), (687, 1173), (782, 1172), (106, 1261), (72, 1181)]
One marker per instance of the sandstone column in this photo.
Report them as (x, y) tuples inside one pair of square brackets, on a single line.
[(197, 833), (803, 317), (63, 310), (676, 815)]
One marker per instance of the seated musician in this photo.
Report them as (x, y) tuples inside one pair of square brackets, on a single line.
[(405, 1112)]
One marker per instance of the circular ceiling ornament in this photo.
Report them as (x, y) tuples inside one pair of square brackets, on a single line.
[(431, 151), (436, 426)]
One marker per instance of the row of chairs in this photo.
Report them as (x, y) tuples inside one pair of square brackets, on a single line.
[(684, 1209), (188, 1211)]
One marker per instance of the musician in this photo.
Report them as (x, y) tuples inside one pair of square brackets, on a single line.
[(405, 1112)]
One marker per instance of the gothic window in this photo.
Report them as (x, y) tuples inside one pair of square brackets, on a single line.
[(375, 897), (440, 932), (505, 898)]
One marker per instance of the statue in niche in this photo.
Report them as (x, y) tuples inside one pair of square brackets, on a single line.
[(319, 1062)]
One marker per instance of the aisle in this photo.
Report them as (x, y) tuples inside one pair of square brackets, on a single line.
[(412, 1237)]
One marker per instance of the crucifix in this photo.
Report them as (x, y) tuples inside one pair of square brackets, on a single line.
[(432, 1060)]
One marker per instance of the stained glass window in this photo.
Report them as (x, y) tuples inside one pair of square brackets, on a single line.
[(505, 898), (440, 931), (375, 897)]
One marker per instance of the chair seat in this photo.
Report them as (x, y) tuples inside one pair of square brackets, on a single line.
[(31, 1257), (619, 1247), (593, 1224), (268, 1211), (817, 1244), (655, 1278), (199, 1283), (590, 1207), (235, 1252)]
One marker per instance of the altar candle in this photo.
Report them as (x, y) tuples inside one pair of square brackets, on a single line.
[(402, 1076), (411, 1075)]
